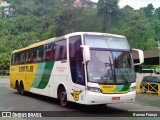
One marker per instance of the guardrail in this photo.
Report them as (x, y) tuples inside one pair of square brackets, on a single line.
[(148, 87), (4, 72)]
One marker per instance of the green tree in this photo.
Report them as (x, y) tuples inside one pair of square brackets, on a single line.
[(4, 61), (43, 19), (149, 10), (107, 9)]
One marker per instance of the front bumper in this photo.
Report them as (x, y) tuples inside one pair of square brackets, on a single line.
[(93, 98)]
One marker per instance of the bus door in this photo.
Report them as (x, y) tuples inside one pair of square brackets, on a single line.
[(77, 86)]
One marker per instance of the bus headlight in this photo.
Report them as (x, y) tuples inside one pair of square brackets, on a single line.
[(94, 89), (132, 89)]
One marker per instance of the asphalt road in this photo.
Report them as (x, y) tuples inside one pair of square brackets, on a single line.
[(12, 101)]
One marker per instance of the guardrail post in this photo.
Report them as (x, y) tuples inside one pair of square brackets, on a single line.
[(148, 90), (158, 89), (138, 88)]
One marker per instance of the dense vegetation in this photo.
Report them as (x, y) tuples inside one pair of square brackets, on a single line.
[(34, 20)]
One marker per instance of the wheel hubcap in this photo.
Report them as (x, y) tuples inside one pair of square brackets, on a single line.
[(63, 98)]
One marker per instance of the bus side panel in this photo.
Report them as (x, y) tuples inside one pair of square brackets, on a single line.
[(24, 73), (60, 73), (62, 76), (43, 77), (30, 75), (53, 74), (12, 77), (15, 75), (76, 92)]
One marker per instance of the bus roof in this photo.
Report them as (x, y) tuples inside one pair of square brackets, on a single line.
[(94, 33), (39, 44), (65, 36)]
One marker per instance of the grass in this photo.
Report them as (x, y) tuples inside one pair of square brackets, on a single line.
[(1, 76), (4, 76)]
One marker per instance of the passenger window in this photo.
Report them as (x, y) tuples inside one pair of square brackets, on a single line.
[(30, 57), (34, 51), (49, 51), (60, 50), (22, 58), (18, 58), (27, 57), (13, 59), (40, 51)]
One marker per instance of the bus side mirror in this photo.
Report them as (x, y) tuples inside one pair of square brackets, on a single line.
[(141, 56), (86, 52)]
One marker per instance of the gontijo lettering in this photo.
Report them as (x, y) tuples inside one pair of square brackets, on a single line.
[(107, 86), (26, 69)]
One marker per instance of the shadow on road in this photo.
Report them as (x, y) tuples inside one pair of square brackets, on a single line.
[(78, 109)]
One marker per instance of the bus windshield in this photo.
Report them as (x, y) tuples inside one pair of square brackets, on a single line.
[(110, 67), (109, 42)]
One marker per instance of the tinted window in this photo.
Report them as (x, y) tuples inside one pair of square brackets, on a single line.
[(22, 58), (74, 47), (27, 57), (49, 52), (17, 58), (13, 59), (40, 51), (34, 55), (31, 56), (60, 50), (76, 59), (96, 41)]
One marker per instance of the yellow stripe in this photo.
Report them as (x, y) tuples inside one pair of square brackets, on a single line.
[(107, 88), (135, 110), (60, 70), (115, 92), (31, 46)]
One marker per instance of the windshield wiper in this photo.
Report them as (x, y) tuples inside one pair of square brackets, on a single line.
[(113, 70)]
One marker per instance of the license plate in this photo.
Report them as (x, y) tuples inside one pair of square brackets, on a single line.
[(115, 98)]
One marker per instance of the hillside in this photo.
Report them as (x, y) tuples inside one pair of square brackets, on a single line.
[(34, 20)]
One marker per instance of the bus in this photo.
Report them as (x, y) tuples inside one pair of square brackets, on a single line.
[(87, 68)]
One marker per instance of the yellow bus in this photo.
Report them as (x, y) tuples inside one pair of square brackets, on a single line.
[(84, 67)]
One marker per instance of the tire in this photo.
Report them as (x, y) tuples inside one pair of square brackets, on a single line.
[(63, 97), (22, 91), (17, 87)]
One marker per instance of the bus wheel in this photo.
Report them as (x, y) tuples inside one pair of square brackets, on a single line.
[(17, 87), (63, 97), (22, 92)]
